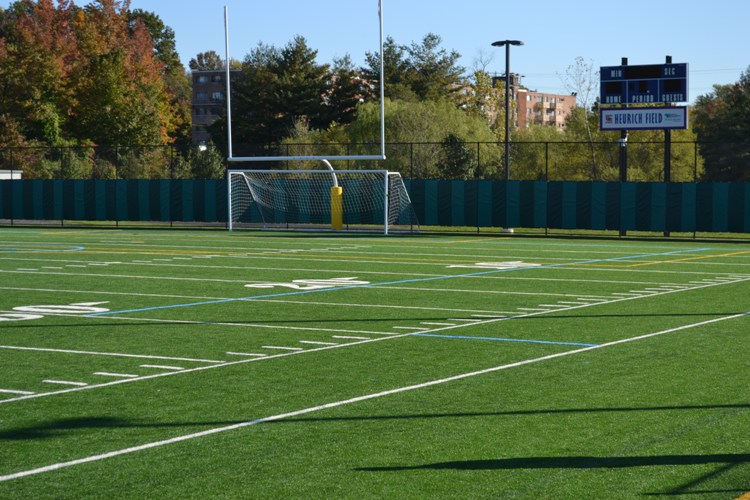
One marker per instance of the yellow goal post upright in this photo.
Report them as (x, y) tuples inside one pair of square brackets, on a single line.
[(336, 191)]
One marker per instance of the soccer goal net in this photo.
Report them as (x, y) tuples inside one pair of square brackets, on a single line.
[(317, 199)]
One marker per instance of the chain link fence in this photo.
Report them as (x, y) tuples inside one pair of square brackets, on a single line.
[(553, 161)]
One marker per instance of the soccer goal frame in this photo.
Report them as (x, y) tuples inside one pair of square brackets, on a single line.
[(353, 200), (239, 159)]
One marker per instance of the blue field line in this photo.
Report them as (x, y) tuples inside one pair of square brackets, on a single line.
[(499, 339), (390, 283), (41, 248)]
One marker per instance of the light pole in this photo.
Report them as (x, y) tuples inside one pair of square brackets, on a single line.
[(507, 44)]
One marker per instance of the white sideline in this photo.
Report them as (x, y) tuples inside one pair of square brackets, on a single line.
[(335, 404)]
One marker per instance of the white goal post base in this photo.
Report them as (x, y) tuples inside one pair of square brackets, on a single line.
[(370, 200)]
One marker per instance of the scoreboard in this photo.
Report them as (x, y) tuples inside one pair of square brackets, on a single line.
[(645, 84)]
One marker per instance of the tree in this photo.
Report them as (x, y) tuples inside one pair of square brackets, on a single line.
[(421, 71), (206, 61), (457, 161), (122, 97), (485, 99), (275, 88), (434, 73), (581, 80), (72, 75), (38, 54), (395, 67), (422, 126), (347, 89), (207, 163), (175, 78), (721, 120)]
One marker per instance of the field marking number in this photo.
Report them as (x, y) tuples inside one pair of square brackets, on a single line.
[(312, 284), (37, 312)]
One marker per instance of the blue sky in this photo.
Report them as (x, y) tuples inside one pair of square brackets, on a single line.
[(712, 38)]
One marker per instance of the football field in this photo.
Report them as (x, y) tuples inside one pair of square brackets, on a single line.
[(212, 364)]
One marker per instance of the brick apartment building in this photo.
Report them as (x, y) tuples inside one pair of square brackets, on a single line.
[(537, 108), (209, 102)]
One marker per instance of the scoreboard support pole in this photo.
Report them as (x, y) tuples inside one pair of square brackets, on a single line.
[(667, 149), (624, 154)]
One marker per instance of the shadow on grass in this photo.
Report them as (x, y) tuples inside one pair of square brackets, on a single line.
[(54, 428), (70, 426), (572, 462), (380, 319), (724, 461)]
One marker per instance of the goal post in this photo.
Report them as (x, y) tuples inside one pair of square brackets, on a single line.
[(372, 200)]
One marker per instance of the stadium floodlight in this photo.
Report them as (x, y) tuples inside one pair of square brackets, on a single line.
[(507, 44), (238, 159)]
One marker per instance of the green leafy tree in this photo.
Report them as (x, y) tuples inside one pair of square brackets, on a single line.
[(175, 78), (721, 120), (276, 87), (206, 61), (457, 160), (415, 132), (347, 89), (395, 67), (421, 71), (536, 153), (581, 80), (207, 163), (485, 98)]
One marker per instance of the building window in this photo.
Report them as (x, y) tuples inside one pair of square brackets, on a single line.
[(201, 96), (217, 96), (217, 78), (201, 79)]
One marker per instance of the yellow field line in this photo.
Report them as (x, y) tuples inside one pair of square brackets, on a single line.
[(685, 259), (131, 251)]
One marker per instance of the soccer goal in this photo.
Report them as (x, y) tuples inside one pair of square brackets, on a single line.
[(354, 200)]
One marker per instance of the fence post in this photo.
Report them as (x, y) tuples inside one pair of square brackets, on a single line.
[(12, 186), (411, 160)]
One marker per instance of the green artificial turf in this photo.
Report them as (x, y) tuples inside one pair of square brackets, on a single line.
[(273, 365)]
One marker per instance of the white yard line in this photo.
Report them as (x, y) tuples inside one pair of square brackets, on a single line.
[(117, 375), (384, 337), (164, 367), (15, 392), (346, 402), (111, 354), (66, 382)]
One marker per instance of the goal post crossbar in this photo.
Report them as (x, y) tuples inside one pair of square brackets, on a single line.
[(240, 159)]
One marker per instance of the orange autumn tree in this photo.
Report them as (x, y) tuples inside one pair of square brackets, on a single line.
[(121, 96), (83, 75)]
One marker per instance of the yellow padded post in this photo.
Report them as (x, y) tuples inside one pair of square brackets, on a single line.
[(337, 208)]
